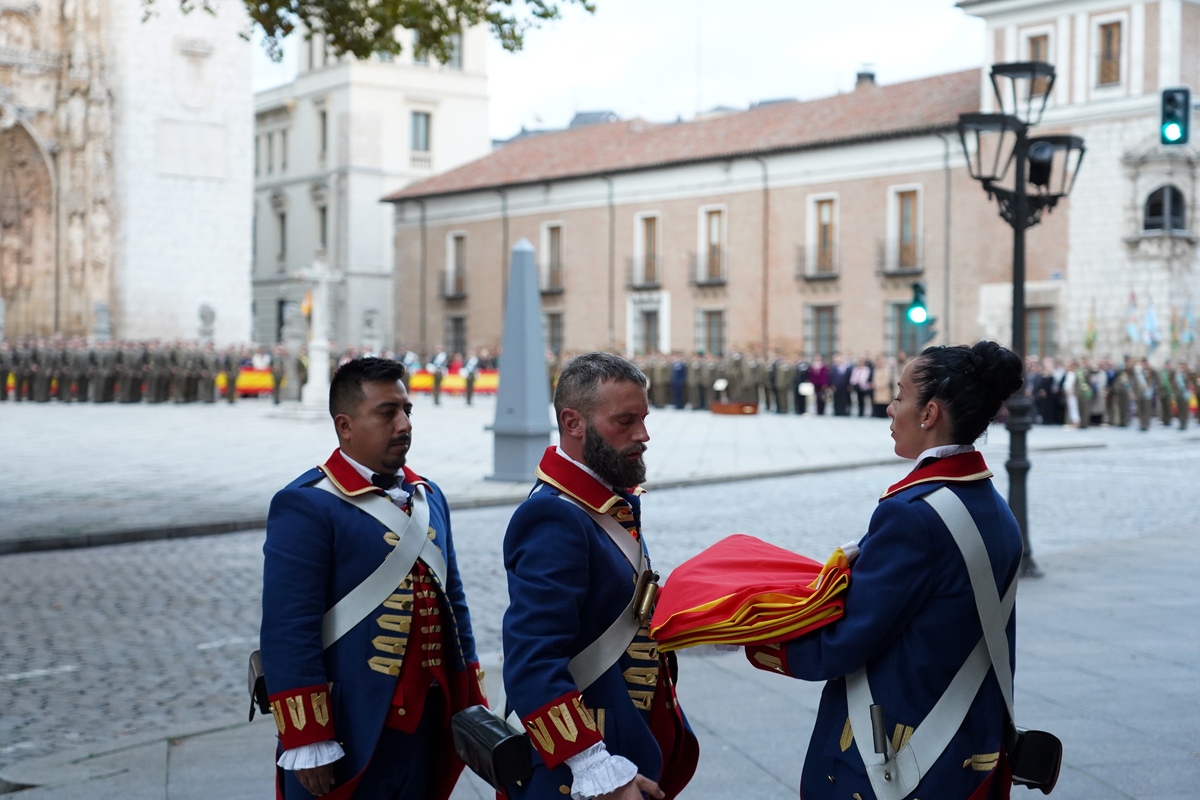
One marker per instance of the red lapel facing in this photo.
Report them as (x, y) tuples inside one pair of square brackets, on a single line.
[(350, 483), (961, 468), (566, 477)]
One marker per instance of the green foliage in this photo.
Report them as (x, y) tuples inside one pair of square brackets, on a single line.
[(365, 27)]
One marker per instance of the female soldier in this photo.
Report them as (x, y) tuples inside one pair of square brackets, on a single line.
[(910, 617)]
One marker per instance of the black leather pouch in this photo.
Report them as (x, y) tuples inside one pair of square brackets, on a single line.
[(1035, 759), (492, 748)]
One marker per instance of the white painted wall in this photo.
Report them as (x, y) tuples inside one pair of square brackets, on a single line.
[(183, 115)]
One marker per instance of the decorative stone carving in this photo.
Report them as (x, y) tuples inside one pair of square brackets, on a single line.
[(26, 220)]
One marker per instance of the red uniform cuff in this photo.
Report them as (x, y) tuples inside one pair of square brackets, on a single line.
[(562, 728), (303, 716), (769, 657)]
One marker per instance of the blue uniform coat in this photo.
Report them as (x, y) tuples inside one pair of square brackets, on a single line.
[(911, 619), (567, 582), (318, 548)]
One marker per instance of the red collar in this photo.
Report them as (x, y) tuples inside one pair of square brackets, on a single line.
[(566, 477), (350, 483), (961, 468)]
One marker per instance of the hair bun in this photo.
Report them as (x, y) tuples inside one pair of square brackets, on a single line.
[(997, 367)]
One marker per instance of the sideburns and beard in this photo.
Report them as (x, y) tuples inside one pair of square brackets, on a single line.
[(611, 464)]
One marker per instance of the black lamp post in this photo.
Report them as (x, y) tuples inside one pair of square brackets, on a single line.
[(1044, 171)]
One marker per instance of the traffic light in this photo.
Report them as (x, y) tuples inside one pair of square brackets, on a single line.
[(1176, 115), (918, 312)]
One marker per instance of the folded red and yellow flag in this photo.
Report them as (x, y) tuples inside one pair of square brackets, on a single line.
[(743, 590)]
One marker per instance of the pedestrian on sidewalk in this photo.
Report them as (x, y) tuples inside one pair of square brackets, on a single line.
[(367, 715), (911, 619), (580, 669)]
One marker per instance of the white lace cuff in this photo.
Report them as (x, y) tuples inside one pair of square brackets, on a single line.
[(595, 771), (851, 551), (307, 756)]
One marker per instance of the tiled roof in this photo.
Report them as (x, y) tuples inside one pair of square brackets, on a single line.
[(869, 112)]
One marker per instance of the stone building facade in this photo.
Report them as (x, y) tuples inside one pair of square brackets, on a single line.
[(328, 146), (124, 171), (801, 226)]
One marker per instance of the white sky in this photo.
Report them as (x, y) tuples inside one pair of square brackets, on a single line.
[(661, 59)]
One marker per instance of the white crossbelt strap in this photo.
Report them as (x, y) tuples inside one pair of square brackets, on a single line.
[(413, 544), (597, 657), (895, 775)]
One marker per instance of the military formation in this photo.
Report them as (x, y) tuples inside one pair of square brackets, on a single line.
[(73, 370), (1083, 393)]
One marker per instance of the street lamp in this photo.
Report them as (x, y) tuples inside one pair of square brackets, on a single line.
[(1043, 171)]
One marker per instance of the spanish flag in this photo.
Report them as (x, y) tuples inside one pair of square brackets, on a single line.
[(743, 590)]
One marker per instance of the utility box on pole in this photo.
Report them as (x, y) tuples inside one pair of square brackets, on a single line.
[(522, 428)]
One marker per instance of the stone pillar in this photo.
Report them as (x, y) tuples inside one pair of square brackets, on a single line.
[(522, 428)]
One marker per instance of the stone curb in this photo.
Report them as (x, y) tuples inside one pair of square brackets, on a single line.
[(34, 544)]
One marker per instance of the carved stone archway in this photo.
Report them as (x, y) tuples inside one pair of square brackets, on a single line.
[(27, 236)]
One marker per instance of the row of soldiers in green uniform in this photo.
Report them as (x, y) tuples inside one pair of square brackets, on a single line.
[(679, 380), (1114, 393), (116, 371)]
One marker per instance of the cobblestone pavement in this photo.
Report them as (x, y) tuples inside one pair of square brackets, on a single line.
[(113, 642), (103, 469)]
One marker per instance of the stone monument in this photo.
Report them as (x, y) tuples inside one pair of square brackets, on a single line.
[(522, 428)]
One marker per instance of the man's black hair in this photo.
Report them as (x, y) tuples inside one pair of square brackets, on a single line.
[(345, 390)]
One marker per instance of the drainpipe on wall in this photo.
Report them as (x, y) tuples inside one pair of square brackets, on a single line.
[(504, 255), (424, 269), (612, 268), (946, 245), (766, 256)]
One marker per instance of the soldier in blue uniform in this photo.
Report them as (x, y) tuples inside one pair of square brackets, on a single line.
[(910, 616), (569, 579), (368, 716)]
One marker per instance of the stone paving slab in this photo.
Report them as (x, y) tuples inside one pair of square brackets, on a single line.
[(78, 474), (1124, 704)]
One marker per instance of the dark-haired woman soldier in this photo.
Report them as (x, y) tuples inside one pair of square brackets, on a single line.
[(911, 620)]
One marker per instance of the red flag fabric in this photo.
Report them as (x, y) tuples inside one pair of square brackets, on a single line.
[(743, 590)]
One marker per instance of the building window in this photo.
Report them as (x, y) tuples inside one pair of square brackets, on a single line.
[(1165, 209), (906, 219), (456, 335), (455, 59), (323, 227), (257, 153), (1039, 332), (554, 331), (648, 331), (455, 283), (386, 57), (270, 153), (714, 244), (322, 134), (283, 150), (711, 334), (822, 330), (553, 245), (1110, 54), (420, 56), (826, 238), (1039, 50), (282, 253), (902, 335), (650, 250), (420, 140), (311, 51), (281, 307)]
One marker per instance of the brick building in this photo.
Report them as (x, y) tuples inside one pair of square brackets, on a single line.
[(801, 226)]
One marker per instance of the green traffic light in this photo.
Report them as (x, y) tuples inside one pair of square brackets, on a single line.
[(918, 315), (1172, 131)]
